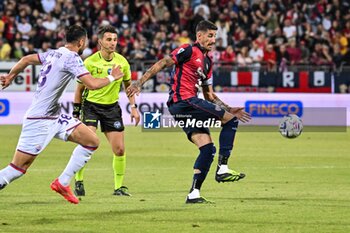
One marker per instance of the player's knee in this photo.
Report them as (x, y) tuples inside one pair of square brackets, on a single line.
[(119, 151), (233, 123), (205, 158), (94, 141)]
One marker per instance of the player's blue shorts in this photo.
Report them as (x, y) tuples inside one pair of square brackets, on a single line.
[(198, 109)]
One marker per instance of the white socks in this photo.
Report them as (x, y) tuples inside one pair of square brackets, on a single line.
[(9, 173), (223, 169), (194, 194), (79, 158)]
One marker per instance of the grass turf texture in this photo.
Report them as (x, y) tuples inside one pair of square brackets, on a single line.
[(298, 185)]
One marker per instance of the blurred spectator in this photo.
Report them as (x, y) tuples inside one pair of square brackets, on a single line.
[(305, 52), (147, 12), (69, 10), (243, 41), (24, 28), (185, 14), (261, 41), (44, 47), (277, 38), (112, 17), (223, 28), (270, 58), (17, 51), (321, 55), (327, 22), (198, 16), (10, 28), (2, 25), (28, 48), (342, 41), (5, 49), (228, 56), (125, 19), (283, 58), (245, 14), (257, 54), (219, 45), (203, 7), (243, 57), (260, 13), (102, 18), (184, 38), (337, 57), (289, 30), (253, 33), (97, 4), (139, 52), (48, 5), (346, 30), (216, 11), (49, 23), (294, 52), (272, 19), (159, 10)]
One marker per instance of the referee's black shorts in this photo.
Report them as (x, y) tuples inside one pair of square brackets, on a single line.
[(109, 116)]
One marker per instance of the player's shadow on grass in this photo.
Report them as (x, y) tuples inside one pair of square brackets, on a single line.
[(165, 191)]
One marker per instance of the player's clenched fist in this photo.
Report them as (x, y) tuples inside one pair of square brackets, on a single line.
[(5, 81)]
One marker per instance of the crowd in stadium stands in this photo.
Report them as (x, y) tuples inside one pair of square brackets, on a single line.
[(276, 33)]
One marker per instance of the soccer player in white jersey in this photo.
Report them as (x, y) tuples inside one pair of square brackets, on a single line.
[(44, 121)]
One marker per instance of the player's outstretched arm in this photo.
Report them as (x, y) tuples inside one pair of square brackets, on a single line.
[(92, 83), (25, 61), (135, 88), (134, 113)]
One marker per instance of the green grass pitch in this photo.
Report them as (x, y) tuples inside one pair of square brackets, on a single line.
[(297, 185)]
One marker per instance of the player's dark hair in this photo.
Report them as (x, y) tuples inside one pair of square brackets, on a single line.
[(106, 28), (74, 33), (205, 25)]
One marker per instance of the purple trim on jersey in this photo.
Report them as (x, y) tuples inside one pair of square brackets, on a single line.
[(73, 126), (81, 75), (39, 59), (18, 168), (90, 147), (26, 153), (203, 109), (42, 118)]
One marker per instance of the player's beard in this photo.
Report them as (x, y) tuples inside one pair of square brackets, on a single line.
[(210, 46), (80, 51)]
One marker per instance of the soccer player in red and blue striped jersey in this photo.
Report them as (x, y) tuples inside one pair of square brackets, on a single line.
[(193, 68)]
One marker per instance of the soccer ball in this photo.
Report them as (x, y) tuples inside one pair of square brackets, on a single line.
[(291, 126)]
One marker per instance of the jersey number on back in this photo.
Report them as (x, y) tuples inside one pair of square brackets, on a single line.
[(43, 72)]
